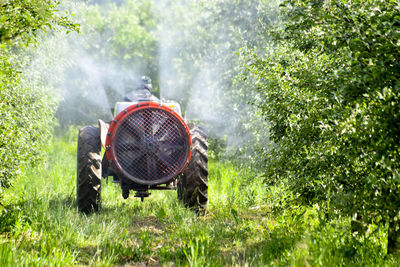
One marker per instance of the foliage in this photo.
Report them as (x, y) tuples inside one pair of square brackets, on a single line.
[(25, 123), (123, 33), (22, 20), (26, 112), (331, 93)]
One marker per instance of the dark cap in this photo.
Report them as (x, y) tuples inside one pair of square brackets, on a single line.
[(146, 80), (145, 83)]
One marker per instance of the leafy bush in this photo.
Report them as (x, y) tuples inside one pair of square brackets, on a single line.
[(331, 93), (26, 114), (25, 123), (22, 20)]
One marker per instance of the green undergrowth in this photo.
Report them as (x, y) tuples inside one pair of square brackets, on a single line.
[(246, 225)]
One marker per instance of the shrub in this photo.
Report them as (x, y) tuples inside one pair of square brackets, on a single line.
[(331, 93), (26, 114)]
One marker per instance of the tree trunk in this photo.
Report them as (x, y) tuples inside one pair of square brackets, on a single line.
[(394, 236), (357, 225)]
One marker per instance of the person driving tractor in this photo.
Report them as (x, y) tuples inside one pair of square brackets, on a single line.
[(143, 91)]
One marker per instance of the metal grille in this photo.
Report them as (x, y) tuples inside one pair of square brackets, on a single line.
[(151, 146)]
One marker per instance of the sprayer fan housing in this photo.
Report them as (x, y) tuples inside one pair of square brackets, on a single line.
[(148, 143)]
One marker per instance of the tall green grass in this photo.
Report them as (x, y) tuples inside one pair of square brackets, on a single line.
[(247, 224)]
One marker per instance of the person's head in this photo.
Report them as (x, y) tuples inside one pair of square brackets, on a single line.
[(145, 83)]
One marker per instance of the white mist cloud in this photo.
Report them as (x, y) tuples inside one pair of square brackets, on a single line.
[(197, 41)]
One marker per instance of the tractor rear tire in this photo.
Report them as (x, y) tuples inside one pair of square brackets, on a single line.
[(193, 182), (88, 179)]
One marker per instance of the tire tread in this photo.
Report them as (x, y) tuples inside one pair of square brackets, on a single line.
[(88, 179), (193, 182)]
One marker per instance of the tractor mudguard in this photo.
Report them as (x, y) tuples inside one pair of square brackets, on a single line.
[(103, 132)]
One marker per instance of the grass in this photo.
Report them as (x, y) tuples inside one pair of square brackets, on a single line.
[(245, 225)]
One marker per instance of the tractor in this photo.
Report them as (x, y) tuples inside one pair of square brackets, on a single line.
[(147, 146)]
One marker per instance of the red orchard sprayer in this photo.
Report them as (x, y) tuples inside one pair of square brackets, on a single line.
[(148, 146)]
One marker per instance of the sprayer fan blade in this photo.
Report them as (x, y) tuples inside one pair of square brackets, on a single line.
[(131, 156), (139, 123), (151, 166), (135, 159), (164, 158), (157, 121), (163, 131), (128, 142), (148, 123), (133, 133), (170, 148)]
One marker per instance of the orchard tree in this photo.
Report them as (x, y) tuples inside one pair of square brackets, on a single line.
[(26, 114), (331, 93)]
